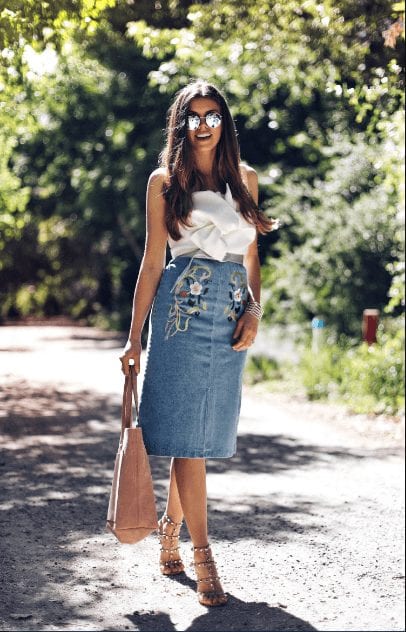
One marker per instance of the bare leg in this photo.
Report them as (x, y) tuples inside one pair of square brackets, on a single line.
[(173, 505), (190, 475), (187, 481), (169, 528)]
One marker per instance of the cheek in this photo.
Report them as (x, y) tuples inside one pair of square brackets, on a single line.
[(217, 134)]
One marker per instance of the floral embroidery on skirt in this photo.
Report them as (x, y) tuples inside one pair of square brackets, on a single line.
[(191, 393), (238, 296), (189, 301)]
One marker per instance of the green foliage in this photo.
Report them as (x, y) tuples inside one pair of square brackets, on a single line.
[(374, 376), (397, 288), (90, 143), (40, 21), (261, 368), (321, 371), (282, 49), (339, 235), (366, 379), (369, 379), (317, 98)]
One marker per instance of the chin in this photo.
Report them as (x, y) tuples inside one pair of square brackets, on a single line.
[(199, 146)]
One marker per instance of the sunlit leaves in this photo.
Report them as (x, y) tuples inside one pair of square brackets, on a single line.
[(340, 238), (252, 49), (84, 89), (40, 21)]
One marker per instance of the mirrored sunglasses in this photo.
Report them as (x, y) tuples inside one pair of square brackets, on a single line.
[(212, 119)]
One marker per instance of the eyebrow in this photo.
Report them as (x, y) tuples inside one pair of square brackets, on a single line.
[(208, 112)]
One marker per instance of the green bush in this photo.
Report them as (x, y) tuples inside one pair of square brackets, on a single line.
[(321, 371), (373, 376), (261, 368), (340, 242), (370, 379)]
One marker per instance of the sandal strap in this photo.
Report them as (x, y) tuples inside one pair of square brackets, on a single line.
[(166, 518), (201, 549), (206, 563), (210, 594), (206, 586), (170, 563), (210, 579), (175, 548)]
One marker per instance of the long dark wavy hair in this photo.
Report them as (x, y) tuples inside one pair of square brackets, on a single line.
[(182, 175)]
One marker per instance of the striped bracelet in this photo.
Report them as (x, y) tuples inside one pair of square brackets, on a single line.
[(255, 309)]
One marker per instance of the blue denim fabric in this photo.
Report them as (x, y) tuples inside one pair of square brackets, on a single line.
[(191, 396)]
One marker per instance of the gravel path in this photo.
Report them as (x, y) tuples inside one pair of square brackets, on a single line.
[(306, 520)]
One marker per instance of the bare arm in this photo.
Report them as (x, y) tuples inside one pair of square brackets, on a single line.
[(251, 262), (152, 264), (247, 325), (251, 259)]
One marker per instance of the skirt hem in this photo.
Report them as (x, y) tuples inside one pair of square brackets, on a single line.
[(191, 456)]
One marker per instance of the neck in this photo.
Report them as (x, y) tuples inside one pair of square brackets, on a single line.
[(204, 165), (204, 162)]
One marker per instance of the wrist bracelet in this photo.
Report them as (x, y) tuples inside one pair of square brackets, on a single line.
[(255, 309)]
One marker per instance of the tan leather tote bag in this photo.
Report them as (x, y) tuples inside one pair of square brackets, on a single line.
[(132, 512)]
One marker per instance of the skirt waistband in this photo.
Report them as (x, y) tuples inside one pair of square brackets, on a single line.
[(199, 254)]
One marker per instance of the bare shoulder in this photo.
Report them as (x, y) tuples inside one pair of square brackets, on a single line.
[(157, 179), (246, 168), (250, 179), (249, 175)]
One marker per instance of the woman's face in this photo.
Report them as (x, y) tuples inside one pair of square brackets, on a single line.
[(205, 137)]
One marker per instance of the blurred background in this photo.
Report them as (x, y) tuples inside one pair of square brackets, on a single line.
[(316, 90)]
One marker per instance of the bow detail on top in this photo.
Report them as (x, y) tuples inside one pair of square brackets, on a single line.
[(217, 228)]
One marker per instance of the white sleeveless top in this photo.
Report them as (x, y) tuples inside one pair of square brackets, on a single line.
[(217, 228)]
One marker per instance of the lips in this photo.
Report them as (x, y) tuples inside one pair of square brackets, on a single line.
[(203, 136)]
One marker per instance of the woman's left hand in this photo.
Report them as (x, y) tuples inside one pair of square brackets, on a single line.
[(246, 331)]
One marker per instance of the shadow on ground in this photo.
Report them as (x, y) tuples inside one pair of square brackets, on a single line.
[(56, 469), (254, 615)]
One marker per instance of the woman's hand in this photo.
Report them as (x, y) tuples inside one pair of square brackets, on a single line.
[(246, 331), (132, 351)]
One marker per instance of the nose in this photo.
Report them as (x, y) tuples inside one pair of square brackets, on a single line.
[(202, 119)]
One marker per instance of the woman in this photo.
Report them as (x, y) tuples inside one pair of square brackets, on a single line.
[(205, 314)]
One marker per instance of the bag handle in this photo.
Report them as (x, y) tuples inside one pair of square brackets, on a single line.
[(130, 392)]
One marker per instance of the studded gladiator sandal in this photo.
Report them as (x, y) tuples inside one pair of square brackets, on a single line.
[(209, 591), (168, 534)]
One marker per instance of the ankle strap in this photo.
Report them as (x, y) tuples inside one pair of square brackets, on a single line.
[(201, 549), (169, 520)]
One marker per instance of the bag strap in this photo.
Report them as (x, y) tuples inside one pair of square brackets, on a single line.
[(130, 392)]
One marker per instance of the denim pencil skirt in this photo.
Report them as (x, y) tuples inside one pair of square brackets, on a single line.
[(191, 395)]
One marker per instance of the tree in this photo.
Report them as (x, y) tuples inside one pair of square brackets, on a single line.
[(312, 88), (39, 22)]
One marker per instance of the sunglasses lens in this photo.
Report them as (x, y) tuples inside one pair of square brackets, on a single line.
[(193, 122), (213, 119)]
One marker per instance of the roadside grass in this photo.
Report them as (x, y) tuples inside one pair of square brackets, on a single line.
[(366, 379)]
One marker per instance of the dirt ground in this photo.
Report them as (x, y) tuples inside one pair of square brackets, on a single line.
[(306, 521)]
